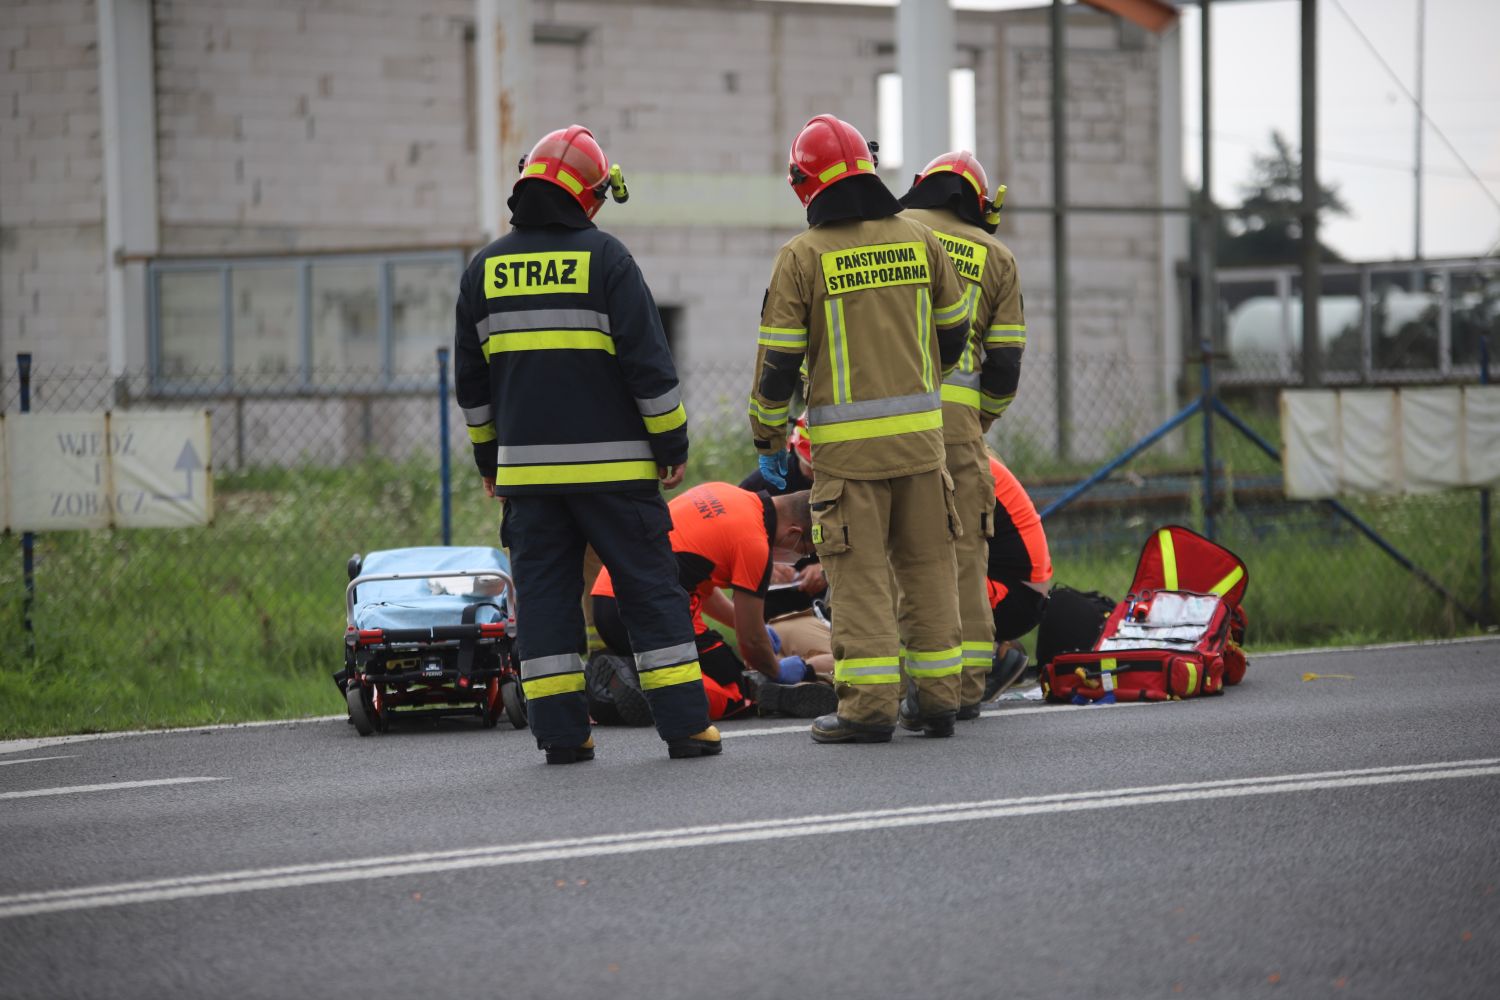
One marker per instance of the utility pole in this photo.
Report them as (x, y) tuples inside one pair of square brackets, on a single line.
[(1064, 390), (1416, 239), (1312, 261)]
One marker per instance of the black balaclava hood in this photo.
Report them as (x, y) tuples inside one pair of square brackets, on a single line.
[(948, 190), (863, 196), (536, 202)]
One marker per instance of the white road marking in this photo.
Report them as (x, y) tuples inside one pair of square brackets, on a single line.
[(33, 760), (293, 876), (990, 714), (41, 742), (113, 786)]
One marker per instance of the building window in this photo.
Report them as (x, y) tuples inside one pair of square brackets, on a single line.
[(961, 115), (283, 323)]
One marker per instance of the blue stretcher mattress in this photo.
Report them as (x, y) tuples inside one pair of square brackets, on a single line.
[(411, 603)]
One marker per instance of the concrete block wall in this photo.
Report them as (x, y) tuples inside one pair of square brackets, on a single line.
[(51, 188)]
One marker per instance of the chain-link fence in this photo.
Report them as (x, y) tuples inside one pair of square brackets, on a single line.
[(304, 477)]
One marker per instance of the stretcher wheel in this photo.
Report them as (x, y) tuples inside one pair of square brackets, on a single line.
[(492, 706), (355, 696), (515, 707)]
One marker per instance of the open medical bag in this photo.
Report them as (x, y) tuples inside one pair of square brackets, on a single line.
[(1177, 634)]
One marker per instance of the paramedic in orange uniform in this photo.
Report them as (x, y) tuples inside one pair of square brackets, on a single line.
[(1020, 575), (725, 536)]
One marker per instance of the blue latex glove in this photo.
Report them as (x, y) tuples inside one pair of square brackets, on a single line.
[(775, 640), (773, 469), (794, 670)]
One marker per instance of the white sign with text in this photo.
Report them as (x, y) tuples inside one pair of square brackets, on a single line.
[(107, 470)]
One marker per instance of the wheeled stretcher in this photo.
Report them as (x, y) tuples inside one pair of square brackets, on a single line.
[(430, 631)]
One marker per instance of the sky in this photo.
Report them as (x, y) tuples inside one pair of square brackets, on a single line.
[(1367, 124)]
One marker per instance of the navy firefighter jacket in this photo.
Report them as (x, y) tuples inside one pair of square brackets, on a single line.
[(562, 367)]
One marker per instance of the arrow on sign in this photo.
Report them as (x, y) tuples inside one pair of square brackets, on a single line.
[(187, 463)]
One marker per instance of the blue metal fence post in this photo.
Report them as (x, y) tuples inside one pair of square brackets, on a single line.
[(1486, 608), (28, 540), (1207, 376), (445, 458)]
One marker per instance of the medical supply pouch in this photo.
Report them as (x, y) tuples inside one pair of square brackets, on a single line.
[(1176, 635)]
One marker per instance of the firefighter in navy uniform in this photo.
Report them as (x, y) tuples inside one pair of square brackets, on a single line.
[(573, 407), (951, 195), (872, 302)]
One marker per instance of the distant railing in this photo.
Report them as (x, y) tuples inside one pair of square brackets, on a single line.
[(1382, 322)]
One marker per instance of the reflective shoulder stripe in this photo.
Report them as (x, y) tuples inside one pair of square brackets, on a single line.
[(924, 311), (1225, 585), (1168, 559), (482, 434), (563, 475), (838, 344), (549, 340)]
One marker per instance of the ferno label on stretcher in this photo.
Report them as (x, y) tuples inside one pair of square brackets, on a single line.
[(65, 471)]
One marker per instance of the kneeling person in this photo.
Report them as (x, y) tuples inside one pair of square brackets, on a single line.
[(724, 536)]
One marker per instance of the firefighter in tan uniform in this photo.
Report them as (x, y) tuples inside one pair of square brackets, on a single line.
[(951, 197), (872, 303)]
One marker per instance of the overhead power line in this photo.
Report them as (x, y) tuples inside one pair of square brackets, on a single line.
[(1420, 110)]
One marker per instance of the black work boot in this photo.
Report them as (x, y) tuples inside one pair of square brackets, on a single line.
[(630, 700), (911, 718), (571, 755), (806, 700), (836, 729), (704, 744), (967, 712), (1005, 671)]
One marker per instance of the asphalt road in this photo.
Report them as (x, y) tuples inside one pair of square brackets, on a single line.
[(1332, 837)]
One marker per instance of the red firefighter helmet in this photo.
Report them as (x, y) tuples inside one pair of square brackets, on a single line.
[(571, 158), (825, 152), (966, 165)]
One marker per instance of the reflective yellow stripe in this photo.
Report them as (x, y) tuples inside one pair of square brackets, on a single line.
[(960, 394), (1006, 341), (1168, 559), (948, 315), (549, 340), (858, 430), (863, 165), (1225, 585), (1107, 673), (934, 663), (670, 420), (1192, 686), (536, 168), (780, 338), (572, 183), (593, 472), (868, 670), (995, 405), (833, 171), (687, 673), (924, 308), (544, 687), (839, 353), (479, 435), (771, 416)]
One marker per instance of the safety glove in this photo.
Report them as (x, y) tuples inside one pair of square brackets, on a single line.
[(773, 469), (775, 640), (793, 670)]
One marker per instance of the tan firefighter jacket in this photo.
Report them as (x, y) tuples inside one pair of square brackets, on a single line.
[(879, 315), (984, 381)]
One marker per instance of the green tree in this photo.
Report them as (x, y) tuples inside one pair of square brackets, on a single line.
[(1266, 228)]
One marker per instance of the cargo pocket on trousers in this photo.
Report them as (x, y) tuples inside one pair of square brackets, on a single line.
[(955, 526), (830, 532), (655, 519)]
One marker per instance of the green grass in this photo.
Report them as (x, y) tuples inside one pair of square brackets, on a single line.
[(244, 619)]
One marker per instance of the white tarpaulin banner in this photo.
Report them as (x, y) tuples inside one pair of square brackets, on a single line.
[(1387, 441), (101, 470)]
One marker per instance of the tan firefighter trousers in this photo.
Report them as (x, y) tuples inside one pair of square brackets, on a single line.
[(974, 496), (868, 533)]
